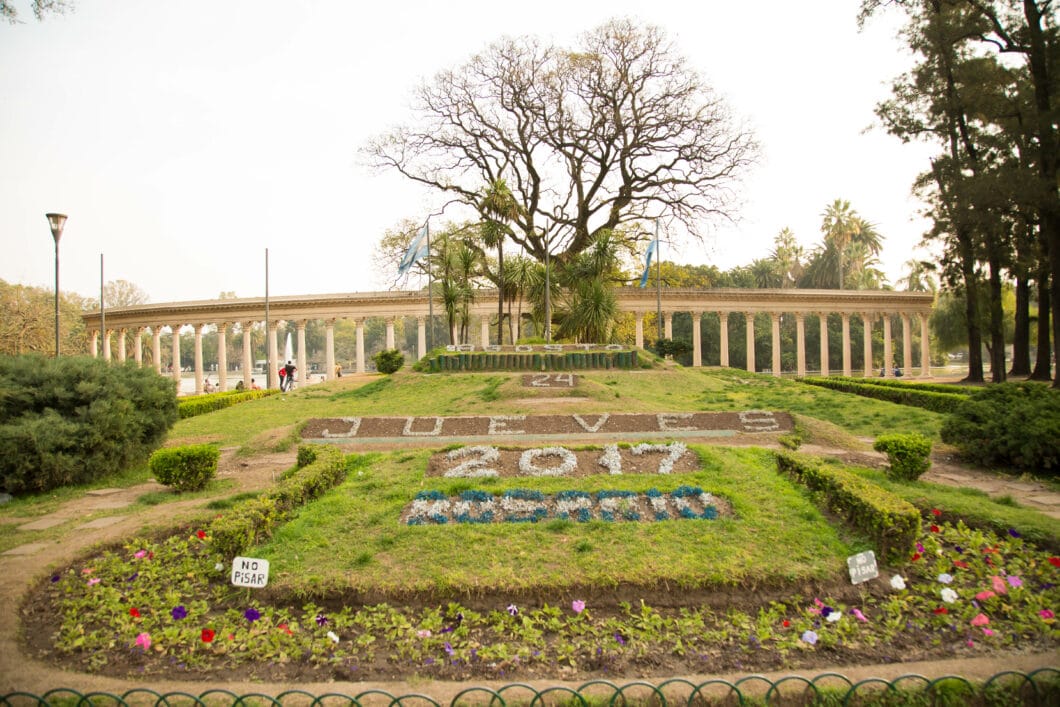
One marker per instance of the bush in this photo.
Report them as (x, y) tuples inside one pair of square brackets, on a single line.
[(1013, 425), (191, 406), (76, 419), (187, 468), (907, 454), (926, 396), (671, 347), (389, 361)]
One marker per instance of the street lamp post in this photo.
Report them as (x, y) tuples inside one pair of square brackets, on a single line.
[(56, 222)]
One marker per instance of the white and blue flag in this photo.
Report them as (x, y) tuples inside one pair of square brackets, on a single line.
[(417, 249), (647, 265)]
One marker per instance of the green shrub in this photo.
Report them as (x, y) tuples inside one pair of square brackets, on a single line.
[(891, 522), (671, 347), (1013, 425), (918, 395), (389, 361), (187, 468), (906, 453), (201, 404), (76, 419)]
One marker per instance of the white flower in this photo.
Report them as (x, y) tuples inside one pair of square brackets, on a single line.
[(897, 582), (528, 468), (948, 595), (676, 451), (611, 459), (219, 566), (333, 636), (834, 616)]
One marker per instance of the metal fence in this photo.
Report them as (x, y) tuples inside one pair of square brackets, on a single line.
[(1038, 687)]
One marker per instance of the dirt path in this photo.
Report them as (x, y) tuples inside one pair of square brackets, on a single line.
[(22, 565)]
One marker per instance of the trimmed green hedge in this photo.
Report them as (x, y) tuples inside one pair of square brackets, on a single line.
[(526, 361), (253, 520), (202, 404), (907, 454), (912, 394), (891, 522), (187, 468), (76, 419)]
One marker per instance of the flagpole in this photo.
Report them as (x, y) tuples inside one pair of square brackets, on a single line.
[(658, 284), (430, 287)]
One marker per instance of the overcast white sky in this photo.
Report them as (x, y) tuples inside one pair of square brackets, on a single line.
[(183, 138)]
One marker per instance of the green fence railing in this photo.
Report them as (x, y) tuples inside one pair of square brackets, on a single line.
[(1038, 687)]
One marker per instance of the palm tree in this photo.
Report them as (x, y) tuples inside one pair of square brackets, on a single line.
[(518, 276), (838, 227), (788, 255), (591, 304), (498, 207), (918, 277)]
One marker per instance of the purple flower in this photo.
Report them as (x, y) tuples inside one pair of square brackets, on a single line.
[(55, 578), (448, 649), (321, 620), (1014, 533), (252, 615), (1014, 581), (179, 612), (620, 639), (513, 610), (577, 606), (920, 547), (810, 637), (132, 576)]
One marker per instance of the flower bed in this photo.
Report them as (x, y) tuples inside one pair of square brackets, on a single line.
[(480, 461), (530, 506)]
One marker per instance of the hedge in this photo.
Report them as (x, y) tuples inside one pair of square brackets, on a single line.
[(907, 394), (891, 522), (254, 520), (202, 404), (187, 468)]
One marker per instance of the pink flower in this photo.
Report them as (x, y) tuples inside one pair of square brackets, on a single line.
[(94, 580), (577, 606), (999, 584), (983, 596), (139, 555), (1045, 614), (144, 641), (1014, 581), (987, 632), (858, 615), (981, 620)]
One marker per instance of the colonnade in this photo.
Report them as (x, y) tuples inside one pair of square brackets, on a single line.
[(870, 306)]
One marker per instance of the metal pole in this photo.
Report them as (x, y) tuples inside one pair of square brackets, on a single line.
[(548, 297), (430, 289), (658, 283), (56, 297), (268, 350), (102, 310)]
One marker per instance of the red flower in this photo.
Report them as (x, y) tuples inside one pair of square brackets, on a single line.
[(134, 612), (935, 529), (1054, 561), (915, 557), (786, 623), (207, 635), (200, 534), (942, 610), (960, 563), (285, 629), (936, 512)]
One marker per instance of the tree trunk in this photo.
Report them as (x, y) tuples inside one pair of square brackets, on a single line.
[(1021, 342), (997, 314), (1043, 365), (971, 303)]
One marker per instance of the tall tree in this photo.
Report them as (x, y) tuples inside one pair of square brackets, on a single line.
[(614, 130), (498, 208)]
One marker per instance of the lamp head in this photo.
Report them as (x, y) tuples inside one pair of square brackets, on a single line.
[(56, 222)]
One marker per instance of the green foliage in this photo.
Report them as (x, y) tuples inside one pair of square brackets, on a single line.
[(191, 406), (671, 347), (254, 520), (936, 398), (73, 420), (890, 521), (307, 454), (907, 454), (187, 468), (389, 361), (1009, 424)]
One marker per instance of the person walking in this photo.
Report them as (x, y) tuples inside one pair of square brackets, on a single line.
[(289, 370), (283, 378)]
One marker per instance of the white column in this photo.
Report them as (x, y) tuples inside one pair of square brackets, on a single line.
[(156, 347), (750, 318), (421, 337), (638, 319), (847, 371), (776, 342), (867, 342), (925, 347), (176, 353), (360, 345), (723, 318), (138, 347), (222, 356), (273, 374), (122, 333), (823, 317), (390, 333), (668, 325), (302, 374), (907, 346), (106, 345), (800, 343), (93, 344), (329, 348), (198, 358), (888, 349), (248, 355), (484, 331), (697, 334)]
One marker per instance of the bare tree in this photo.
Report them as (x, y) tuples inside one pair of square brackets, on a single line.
[(616, 130)]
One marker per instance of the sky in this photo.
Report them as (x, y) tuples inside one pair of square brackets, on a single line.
[(184, 139)]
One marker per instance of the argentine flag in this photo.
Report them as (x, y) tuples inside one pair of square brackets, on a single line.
[(417, 250), (647, 265)]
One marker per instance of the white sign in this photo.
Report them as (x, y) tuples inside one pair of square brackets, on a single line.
[(862, 567), (250, 572)]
